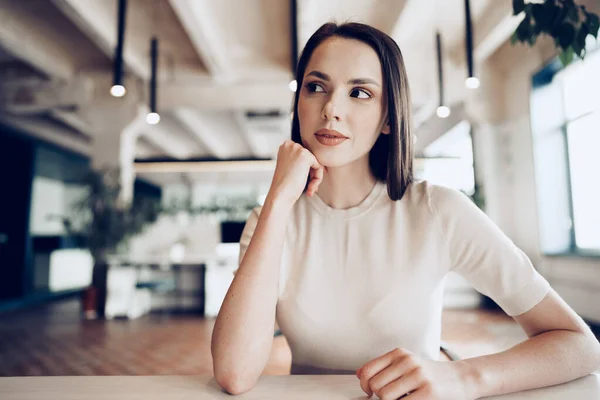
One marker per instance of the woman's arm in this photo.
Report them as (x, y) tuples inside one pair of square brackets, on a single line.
[(243, 332), (560, 348)]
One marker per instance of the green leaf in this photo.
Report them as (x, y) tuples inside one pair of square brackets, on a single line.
[(593, 23), (566, 35), (518, 6), (523, 30), (577, 49), (573, 13), (579, 42), (566, 56), (558, 20), (514, 38), (532, 39), (544, 15)]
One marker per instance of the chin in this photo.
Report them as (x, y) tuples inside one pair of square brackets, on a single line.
[(329, 157), (332, 157)]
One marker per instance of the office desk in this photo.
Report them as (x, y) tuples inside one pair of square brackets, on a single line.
[(294, 387)]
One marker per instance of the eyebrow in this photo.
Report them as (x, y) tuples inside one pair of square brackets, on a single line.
[(355, 81)]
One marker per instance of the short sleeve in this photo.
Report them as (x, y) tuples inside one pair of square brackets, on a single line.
[(480, 252), (247, 233)]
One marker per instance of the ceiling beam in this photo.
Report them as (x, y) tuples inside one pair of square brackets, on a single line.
[(434, 127), (492, 30), (20, 38), (94, 19), (146, 149), (169, 137), (74, 120), (252, 141), (214, 96), (206, 132), (200, 26), (46, 130), (33, 96)]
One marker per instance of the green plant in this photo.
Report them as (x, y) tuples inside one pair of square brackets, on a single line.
[(567, 23), (108, 222)]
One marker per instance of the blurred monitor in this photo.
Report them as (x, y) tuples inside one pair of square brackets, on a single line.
[(231, 231)]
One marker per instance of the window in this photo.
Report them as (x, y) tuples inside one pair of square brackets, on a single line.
[(565, 120), (448, 161)]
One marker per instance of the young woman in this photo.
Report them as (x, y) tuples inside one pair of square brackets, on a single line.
[(352, 263)]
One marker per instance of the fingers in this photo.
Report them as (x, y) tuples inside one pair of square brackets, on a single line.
[(375, 366), (402, 386), (315, 173), (315, 163), (316, 179), (364, 385), (316, 170), (395, 371), (371, 369)]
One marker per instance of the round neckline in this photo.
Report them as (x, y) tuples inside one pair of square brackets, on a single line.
[(354, 211)]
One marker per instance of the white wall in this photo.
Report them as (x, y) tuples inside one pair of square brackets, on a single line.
[(52, 197), (506, 154), (48, 198)]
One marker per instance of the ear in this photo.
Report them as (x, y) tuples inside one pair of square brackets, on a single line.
[(386, 129)]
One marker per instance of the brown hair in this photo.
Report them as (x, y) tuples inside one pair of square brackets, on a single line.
[(391, 157)]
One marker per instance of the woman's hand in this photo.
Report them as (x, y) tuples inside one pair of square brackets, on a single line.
[(402, 374), (294, 165)]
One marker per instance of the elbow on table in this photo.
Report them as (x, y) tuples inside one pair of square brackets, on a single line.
[(235, 383)]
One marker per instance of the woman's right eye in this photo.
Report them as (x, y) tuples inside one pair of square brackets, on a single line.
[(314, 87)]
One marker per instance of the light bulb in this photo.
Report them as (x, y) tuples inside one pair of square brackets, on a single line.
[(153, 118), (472, 83), (443, 111), (293, 85), (118, 90)]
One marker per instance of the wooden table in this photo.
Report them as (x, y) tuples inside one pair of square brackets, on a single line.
[(294, 387)]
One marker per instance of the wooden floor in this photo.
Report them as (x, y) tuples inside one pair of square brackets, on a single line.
[(54, 340)]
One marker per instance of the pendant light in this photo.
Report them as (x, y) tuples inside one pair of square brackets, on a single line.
[(443, 111), (153, 117), (293, 85), (118, 89), (472, 81)]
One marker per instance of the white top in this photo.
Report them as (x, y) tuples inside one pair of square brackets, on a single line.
[(357, 283)]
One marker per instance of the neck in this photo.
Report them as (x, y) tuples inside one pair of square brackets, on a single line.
[(347, 186)]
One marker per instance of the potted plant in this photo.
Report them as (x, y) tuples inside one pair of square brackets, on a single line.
[(567, 23), (107, 224)]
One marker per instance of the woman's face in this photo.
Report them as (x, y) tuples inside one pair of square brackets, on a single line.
[(341, 94)]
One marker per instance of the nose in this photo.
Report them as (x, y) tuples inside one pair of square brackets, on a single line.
[(330, 111)]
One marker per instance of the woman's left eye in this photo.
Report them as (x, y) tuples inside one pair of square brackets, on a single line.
[(360, 93)]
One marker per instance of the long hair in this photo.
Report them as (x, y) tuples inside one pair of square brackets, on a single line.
[(391, 157)]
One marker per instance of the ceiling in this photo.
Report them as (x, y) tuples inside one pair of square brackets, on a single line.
[(224, 66)]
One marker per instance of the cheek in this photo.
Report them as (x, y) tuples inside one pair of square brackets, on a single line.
[(367, 122), (307, 108), (308, 116)]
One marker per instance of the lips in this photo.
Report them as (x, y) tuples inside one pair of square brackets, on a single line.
[(330, 133), (329, 137)]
